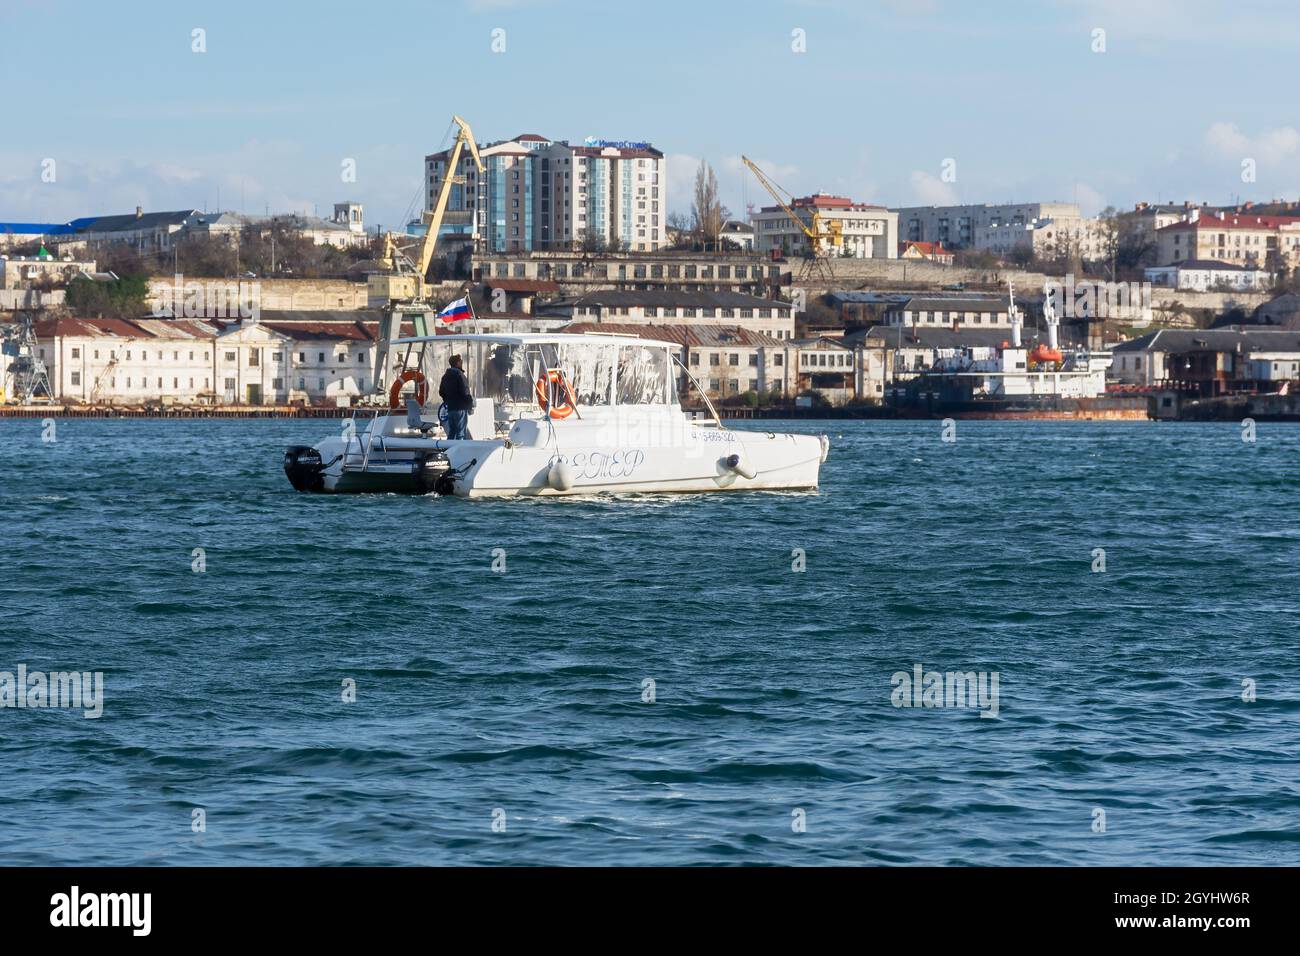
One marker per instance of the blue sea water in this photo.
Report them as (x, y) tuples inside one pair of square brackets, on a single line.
[(516, 698)]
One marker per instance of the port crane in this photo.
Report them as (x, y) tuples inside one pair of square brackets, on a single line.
[(825, 236), (401, 292), (22, 366)]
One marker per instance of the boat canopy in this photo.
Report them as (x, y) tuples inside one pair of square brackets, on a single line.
[(536, 338), (598, 370)]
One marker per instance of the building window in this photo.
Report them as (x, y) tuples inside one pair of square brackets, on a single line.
[(76, 353), (76, 376)]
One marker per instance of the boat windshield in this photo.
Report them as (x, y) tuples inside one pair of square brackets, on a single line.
[(599, 373), (644, 377)]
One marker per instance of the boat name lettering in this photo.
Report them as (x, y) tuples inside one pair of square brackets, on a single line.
[(619, 463)]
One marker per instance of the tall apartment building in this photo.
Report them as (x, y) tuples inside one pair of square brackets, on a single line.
[(870, 232), (538, 194), (958, 226)]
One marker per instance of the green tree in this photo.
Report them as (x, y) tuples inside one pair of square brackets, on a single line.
[(123, 298)]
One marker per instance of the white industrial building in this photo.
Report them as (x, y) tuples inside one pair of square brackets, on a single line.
[(24, 272), (661, 307), (868, 232), (1210, 275), (316, 358)]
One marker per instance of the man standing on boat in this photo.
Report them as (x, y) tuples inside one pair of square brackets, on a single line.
[(454, 390)]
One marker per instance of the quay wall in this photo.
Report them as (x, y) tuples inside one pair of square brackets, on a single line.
[(271, 294), (185, 411)]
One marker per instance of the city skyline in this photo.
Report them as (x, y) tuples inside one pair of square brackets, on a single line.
[(895, 104)]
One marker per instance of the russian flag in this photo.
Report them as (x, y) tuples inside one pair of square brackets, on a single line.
[(455, 311)]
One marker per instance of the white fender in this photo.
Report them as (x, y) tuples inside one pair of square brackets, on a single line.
[(560, 475)]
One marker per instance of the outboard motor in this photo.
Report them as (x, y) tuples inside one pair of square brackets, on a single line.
[(304, 468), (446, 483)]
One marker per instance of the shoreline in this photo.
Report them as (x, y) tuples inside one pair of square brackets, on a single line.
[(1270, 408), (783, 414)]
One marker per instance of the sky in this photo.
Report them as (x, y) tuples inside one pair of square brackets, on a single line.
[(894, 102)]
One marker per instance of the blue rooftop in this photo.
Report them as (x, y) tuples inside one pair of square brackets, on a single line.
[(39, 228)]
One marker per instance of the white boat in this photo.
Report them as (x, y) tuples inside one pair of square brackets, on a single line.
[(554, 415)]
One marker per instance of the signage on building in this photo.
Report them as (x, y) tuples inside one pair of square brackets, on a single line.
[(614, 143)]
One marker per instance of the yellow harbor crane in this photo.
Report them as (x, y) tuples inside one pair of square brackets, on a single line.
[(825, 236), (402, 291)]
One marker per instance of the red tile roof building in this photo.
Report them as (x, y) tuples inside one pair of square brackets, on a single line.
[(314, 357), (931, 251), (1260, 242)]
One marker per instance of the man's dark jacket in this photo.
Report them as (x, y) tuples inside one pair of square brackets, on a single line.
[(454, 390)]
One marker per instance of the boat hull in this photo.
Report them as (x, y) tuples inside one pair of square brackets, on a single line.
[(762, 462), (619, 453)]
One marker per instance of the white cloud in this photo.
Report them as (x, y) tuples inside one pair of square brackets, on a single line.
[(252, 177), (736, 184), (1271, 146), (1090, 200), (780, 173), (1169, 24), (932, 191), (681, 180)]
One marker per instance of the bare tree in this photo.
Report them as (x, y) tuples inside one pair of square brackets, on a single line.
[(707, 212), (1110, 240)]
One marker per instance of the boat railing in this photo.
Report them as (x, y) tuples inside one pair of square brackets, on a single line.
[(364, 448), (717, 421)]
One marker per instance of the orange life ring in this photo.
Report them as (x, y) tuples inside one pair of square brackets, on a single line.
[(562, 409), (408, 375)]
